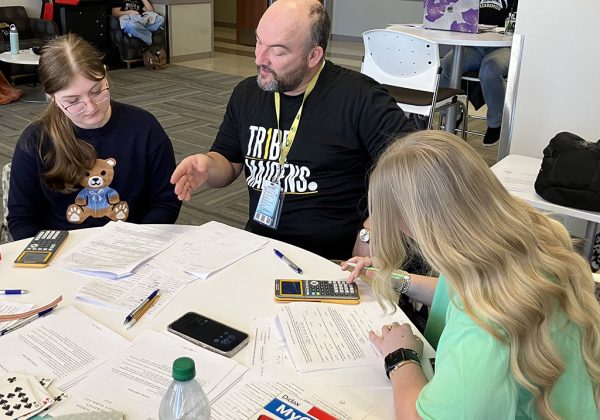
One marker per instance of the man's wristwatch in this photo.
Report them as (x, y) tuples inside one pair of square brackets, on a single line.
[(364, 235), (396, 357)]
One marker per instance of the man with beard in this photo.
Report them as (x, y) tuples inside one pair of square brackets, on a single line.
[(306, 133)]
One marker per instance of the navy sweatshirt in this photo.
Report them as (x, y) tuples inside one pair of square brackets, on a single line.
[(144, 163)]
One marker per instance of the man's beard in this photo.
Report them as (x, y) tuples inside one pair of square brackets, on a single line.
[(285, 83)]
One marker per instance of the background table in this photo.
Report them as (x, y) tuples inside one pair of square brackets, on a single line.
[(518, 173), (458, 40), (28, 58), (233, 296)]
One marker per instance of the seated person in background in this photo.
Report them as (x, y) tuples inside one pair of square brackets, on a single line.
[(520, 335), (345, 121), (88, 160), (492, 64), (137, 18)]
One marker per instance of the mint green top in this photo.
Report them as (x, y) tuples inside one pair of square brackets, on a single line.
[(472, 376)]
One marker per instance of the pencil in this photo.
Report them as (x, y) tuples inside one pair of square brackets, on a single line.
[(395, 274)]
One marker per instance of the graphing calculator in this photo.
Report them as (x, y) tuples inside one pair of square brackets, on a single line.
[(330, 291), (42, 248)]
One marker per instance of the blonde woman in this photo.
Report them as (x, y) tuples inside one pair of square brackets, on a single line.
[(522, 326)]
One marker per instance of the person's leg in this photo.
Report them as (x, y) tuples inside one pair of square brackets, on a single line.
[(471, 61), (152, 27), (493, 71), (138, 30)]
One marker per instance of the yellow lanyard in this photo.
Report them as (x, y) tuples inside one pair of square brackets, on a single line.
[(292, 133)]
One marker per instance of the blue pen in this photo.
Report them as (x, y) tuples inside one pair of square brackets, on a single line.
[(26, 321), (288, 262), (129, 317), (13, 291)]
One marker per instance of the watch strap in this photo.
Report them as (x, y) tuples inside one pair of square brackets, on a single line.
[(398, 356)]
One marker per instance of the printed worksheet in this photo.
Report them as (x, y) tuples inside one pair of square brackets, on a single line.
[(65, 344), (126, 293), (116, 249), (330, 336), (135, 380), (210, 248), (9, 308)]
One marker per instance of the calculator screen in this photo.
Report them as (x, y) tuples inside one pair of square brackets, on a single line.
[(34, 257), (293, 287)]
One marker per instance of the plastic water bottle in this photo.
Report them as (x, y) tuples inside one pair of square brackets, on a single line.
[(185, 399), (14, 40)]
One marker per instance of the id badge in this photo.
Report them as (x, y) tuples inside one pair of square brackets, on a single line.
[(269, 205)]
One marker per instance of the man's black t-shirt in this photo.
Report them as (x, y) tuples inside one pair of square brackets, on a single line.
[(495, 12), (125, 5), (346, 122)]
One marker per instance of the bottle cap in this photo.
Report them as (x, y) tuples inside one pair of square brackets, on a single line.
[(184, 369)]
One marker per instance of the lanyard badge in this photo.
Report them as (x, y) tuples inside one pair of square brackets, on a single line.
[(268, 209)]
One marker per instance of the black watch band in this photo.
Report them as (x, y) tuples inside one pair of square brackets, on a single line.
[(398, 356)]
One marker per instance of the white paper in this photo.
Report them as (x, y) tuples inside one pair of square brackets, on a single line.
[(518, 180), (125, 294), (134, 381), (329, 336), (116, 249), (210, 248), (64, 345), (11, 308), (248, 397), (268, 360)]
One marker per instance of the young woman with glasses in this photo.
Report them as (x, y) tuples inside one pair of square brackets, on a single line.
[(520, 325), (88, 160)]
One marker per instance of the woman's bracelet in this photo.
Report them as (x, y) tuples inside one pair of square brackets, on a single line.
[(403, 363), (401, 282)]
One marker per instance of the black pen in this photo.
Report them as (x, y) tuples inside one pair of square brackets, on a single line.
[(129, 317), (26, 321), (288, 262)]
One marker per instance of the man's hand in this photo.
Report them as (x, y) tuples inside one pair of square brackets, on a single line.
[(190, 175)]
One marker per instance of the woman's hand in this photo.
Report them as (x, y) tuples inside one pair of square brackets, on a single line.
[(396, 336), (361, 263)]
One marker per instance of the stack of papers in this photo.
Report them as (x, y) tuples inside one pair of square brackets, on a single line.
[(10, 308)]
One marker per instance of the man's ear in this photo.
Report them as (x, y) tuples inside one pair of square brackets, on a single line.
[(315, 56)]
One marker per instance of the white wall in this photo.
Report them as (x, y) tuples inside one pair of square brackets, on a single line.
[(353, 17), (559, 83), (33, 7)]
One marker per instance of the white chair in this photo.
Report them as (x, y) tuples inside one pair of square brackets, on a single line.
[(4, 234), (409, 68)]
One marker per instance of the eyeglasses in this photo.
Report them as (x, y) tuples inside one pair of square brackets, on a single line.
[(96, 97)]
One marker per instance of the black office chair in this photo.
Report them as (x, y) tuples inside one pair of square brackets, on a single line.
[(131, 48)]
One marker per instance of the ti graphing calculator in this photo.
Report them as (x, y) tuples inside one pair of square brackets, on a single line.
[(330, 291), (42, 248)]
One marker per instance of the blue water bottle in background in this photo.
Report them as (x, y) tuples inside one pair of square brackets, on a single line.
[(14, 40)]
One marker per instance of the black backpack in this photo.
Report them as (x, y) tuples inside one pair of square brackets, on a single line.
[(570, 172)]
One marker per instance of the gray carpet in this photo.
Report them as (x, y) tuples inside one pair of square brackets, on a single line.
[(190, 105)]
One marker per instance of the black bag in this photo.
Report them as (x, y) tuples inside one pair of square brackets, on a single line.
[(570, 172)]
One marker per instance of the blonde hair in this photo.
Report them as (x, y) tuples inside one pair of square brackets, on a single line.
[(67, 158), (511, 267)]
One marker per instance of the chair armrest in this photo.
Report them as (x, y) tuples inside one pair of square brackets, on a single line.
[(44, 29)]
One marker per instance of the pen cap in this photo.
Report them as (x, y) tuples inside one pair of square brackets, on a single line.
[(184, 369)]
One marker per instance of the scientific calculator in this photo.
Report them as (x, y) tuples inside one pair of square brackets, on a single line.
[(330, 291), (42, 248)]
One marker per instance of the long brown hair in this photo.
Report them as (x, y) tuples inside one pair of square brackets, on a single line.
[(510, 266), (66, 157)]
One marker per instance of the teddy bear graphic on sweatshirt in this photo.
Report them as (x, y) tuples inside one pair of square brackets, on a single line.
[(97, 199)]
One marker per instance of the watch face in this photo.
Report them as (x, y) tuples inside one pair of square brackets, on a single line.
[(364, 235)]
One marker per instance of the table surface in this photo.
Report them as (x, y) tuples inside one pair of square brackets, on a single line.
[(484, 39), (233, 296), (517, 173), (24, 57)]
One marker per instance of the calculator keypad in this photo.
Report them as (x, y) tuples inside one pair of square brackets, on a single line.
[(330, 288), (47, 240)]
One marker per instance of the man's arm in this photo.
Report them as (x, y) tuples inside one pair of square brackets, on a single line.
[(147, 6), (212, 169), (116, 11)]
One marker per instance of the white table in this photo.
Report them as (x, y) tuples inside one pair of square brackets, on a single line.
[(233, 296), (458, 40), (26, 57), (518, 173)]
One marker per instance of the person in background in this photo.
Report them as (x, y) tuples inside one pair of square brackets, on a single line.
[(492, 64), (518, 320), (137, 18), (307, 158), (88, 160)]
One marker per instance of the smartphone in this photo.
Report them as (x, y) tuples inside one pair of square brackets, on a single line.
[(208, 333), (329, 291)]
